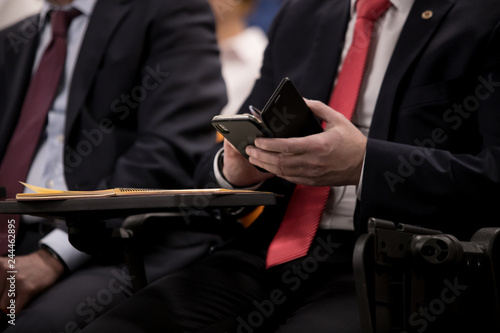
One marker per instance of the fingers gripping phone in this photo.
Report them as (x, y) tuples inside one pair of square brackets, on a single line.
[(241, 129), (285, 115)]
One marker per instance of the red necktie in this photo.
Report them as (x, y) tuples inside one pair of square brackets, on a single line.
[(304, 211), (41, 92)]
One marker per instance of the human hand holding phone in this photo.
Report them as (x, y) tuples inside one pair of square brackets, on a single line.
[(284, 115), (238, 170), (332, 158)]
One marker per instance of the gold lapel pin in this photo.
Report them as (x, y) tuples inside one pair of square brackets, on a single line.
[(427, 14)]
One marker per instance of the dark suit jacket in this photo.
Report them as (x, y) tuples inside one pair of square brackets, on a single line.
[(441, 90), (146, 84)]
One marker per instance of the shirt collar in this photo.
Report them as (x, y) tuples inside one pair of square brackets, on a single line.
[(398, 4), (86, 7)]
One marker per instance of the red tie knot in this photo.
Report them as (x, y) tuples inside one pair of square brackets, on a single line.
[(61, 20), (372, 9)]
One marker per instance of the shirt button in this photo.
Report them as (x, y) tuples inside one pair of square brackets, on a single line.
[(50, 183), (60, 139)]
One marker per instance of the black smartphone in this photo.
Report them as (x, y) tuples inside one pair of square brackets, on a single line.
[(240, 129), (287, 115)]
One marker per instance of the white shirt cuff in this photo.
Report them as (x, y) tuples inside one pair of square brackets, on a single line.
[(223, 181), (58, 241)]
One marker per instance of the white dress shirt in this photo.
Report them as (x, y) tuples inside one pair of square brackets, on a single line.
[(339, 210)]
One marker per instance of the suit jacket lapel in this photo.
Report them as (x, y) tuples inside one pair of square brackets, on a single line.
[(20, 57), (414, 36), (106, 16), (327, 50)]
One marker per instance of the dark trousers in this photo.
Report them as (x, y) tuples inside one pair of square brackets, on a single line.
[(105, 282), (232, 291)]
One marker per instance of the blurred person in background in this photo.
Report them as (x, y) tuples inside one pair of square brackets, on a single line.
[(242, 49), (123, 93)]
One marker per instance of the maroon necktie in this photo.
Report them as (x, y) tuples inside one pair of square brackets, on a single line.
[(304, 211), (41, 92)]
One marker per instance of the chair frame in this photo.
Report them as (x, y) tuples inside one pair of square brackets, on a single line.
[(413, 279)]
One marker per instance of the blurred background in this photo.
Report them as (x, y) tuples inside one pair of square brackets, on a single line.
[(264, 13), (14, 10)]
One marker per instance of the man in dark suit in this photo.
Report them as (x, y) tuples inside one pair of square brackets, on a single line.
[(141, 83), (429, 103)]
